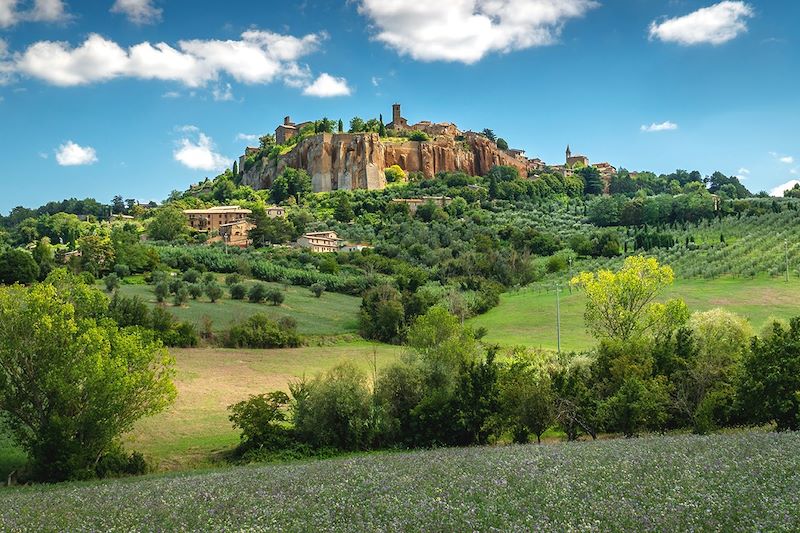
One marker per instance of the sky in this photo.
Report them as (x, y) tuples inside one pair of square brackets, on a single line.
[(142, 97)]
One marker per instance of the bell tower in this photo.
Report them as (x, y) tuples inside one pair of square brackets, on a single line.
[(569, 154)]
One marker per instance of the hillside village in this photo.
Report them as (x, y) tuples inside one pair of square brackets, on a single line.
[(358, 159)]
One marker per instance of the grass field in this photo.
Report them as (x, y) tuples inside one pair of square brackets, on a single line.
[(734, 482), (528, 316), (331, 314), (196, 427)]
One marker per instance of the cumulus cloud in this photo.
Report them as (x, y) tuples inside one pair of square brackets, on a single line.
[(664, 126), (13, 12), (258, 57), (138, 11), (197, 151), (71, 154), (467, 30), (779, 190), (327, 86), (787, 159), (715, 24)]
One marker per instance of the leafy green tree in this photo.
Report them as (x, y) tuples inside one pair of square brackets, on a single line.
[(317, 289), (395, 174), (275, 296), (181, 296), (168, 224), (527, 400), (357, 125), (260, 419), (238, 291), (196, 290), (235, 168), (343, 211), (502, 144), (638, 405), (382, 315), (161, 291), (258, 293), (489, 134), (18, 266), (97, 254), (620, 304), (769, 390), (340, 129), (44, 255), (291, 183), (85, 382), (419, 136), (213, 291), (592, 182)]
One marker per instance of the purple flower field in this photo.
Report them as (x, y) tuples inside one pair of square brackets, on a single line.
[(738, 482)]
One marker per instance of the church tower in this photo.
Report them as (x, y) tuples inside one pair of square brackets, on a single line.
[(569, 154)]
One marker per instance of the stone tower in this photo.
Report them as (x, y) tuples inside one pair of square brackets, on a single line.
[(569, 154), (396, 116)]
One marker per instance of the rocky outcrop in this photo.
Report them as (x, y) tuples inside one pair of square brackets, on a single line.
[(357, 161)]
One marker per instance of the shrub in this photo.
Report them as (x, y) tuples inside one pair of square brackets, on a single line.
[(181, 296), (196, 291), (112, 282), (117, 463), (162, 291), (233, 279), (123, 271), (395, 174), (181, 335), (191, 276), (238, 291), (260, 331), (317, 289), (258, 293), (275, 297), (129, 311), (420, 136)]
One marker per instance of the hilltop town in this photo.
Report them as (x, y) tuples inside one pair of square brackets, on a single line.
[(357, 159)]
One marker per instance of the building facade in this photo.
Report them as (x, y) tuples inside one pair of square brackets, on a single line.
[(212, 218), (320, 242)]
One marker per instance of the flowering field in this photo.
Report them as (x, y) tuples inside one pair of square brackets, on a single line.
[(747, 481)]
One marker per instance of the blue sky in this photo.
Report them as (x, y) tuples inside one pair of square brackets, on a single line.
[(140, 97)]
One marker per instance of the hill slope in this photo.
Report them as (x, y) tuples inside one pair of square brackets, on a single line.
[(725, 482)]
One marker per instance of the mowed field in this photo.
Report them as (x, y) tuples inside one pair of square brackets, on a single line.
[(332, 314), (528, 316), (196, 427), (730, 482)]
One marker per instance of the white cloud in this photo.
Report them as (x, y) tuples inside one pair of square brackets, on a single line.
[(715, 24), (71, 154), (467, 30), (779, 190), (247, 137), (41, 11), (223, 93), (138, 11), (327, 86), (259, 57), (197, 151), (664, 126), (376, 81), (743, 173), (787, 159), (171, 94)]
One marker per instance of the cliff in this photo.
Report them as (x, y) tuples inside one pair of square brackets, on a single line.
[(357, 161)]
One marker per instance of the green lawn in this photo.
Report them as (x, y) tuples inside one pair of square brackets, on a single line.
[(332, 314), (528, 316)]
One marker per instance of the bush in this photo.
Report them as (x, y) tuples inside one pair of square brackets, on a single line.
[(258, 293), (123, 271), (420, 136), (233, 279), (334, 410), (260, 331), (260, 420), (117, 463), (275, 296), (317, 289), (191, 276), (196, 291), (112, 282), (181, 296), (129, 311), (238, 291), (181, 335), (162, 291)]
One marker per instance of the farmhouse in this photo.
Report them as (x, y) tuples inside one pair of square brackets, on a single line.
[(236, 233), (212, 218), (320, 241)]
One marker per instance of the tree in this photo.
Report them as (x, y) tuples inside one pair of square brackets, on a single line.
[(168, 224), (161, 291), (97, 254), (343, 211), (489, 134), (238, 291), (260, 420), (214, 292), (181, 295), (317, 289), (275, 296), (291, 183), (235, 168), (258, 293), (72, 386), (620, 304), (527, 401), (18, 266), (265, 142), (196, 290), (769, 390), (44, 255), (395, 174), (592, 182), (382, 316), (340, 129), (118, 205), (419, 136), (502, 144), (381, 127), (357, 125)]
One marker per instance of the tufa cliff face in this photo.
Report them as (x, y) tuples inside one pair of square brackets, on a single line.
[(356, 161)]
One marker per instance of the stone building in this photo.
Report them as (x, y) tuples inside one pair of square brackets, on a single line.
[(236, 233), (320, 242), (573, 160), (212, 218), (288, 129), (398, 122)]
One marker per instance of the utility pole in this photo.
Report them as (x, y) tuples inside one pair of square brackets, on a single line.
[(558, 316), (570, 275)]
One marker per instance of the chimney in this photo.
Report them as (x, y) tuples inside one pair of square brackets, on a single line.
[(287, 121)]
